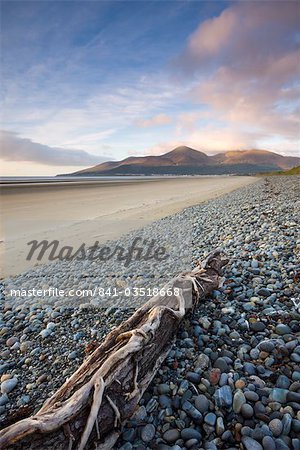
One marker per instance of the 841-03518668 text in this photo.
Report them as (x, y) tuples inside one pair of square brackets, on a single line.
[(138, 292)]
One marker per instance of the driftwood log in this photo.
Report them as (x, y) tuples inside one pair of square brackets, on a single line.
[(90, 408)]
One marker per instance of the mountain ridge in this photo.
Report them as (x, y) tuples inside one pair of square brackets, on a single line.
[(186, 160)]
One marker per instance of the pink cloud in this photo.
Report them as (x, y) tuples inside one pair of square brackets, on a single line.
[(245, 65), (163, 147), (242, 32), (160, 119), (210, 37), (209, 140)]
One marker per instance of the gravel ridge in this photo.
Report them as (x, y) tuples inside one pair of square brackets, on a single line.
[(232, 379)]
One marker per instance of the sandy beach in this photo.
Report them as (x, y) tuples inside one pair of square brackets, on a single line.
[(86, 212)]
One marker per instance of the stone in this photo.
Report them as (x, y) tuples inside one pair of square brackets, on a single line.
[(267, 346), (6, 376), (4, 399), (72, 355), (193, 412), (282, 329), (202, 403), (164, 401), (171, 436), (193, 377), (8, 385), (251, 444), (11, 341), (183, 387), (251, 396), (151, 405), (190, 433), (293, 396), (296, 375), (240, 384), (286, 424), (42, 378), (202, 361), (126, 446), (163, 389), (281, 444), (191, 443), (296, 426), (283, 382), (148, 432), (220, 428), (246, 431), (221, 364), (257, 434), (25, 399), (278, 395), (295, 357), (214, 376), (276, 427), (239, 400), (140, 414), (227, 436), (129, 435), (205, 322), (223, 379), (45, 333), (247, 411), (249, 368), (223, 396), (268, 443), (254, 353), (210, 419), (25, 346), (257, 326)]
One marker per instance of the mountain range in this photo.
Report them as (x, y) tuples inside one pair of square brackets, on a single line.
[(188, 161)]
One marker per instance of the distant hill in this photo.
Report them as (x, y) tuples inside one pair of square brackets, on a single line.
[(188, 161)]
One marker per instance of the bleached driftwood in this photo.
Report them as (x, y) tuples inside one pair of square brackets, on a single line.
[(89, 409)]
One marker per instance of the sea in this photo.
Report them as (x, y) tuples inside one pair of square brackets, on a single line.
[(17, 181)]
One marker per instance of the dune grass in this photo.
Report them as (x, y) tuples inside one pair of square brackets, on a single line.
[(293, 171)]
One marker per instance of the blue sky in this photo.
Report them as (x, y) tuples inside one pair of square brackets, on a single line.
[(113, 79)]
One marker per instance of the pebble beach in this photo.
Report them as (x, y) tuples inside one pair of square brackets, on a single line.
[(232, 378)]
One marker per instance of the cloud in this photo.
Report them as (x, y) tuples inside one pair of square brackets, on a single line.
[(211, 36), (160, 119), (15, 148), (244, 65), (90, 138), (210, 140), (105, 115), (164, 147), (243, 36)]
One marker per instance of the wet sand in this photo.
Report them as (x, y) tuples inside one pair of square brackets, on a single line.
[(98, 211)]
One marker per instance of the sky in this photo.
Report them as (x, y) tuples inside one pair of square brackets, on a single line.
[(84, 82)]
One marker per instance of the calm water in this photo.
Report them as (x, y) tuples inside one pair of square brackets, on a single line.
[(4, 181)]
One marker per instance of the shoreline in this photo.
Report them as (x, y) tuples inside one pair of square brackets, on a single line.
[(233, 374), (87, 213)]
